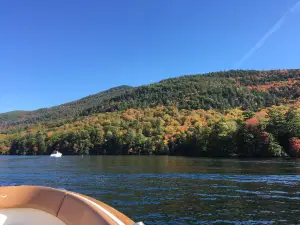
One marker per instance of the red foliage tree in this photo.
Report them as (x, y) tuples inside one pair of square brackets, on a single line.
[(295, 146), (252, 123)]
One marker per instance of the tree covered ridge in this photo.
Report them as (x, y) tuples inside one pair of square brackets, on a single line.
[(249, 89), (274, 131), (193, 93), (216, 114), (70, 109)]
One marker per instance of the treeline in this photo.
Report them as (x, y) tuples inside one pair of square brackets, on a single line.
[(272, 132), (257, 77)]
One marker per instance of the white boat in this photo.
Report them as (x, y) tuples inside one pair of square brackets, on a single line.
[(56, 154)]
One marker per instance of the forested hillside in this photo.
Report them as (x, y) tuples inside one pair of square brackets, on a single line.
[(232, 113), (70, 109), (197, 92), (220, 90), (249, 89)]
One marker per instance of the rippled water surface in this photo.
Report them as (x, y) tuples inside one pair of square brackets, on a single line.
[(172, 190)]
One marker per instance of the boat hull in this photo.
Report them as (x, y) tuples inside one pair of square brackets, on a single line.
[(58, 207), (57, 155)]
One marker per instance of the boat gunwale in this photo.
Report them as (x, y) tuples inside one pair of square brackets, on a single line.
[(35, 198)]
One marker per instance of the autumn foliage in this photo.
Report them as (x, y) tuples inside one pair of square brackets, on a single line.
[(163, 130), (250, 89), (295, 146), (230, 113)]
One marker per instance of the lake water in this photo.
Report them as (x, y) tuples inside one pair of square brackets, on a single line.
[(172, 190)]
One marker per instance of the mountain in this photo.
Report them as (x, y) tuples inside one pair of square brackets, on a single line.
[(243, 113), (248, 89), (70, 109)]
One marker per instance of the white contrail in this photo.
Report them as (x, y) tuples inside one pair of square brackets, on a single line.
[(272, 30)]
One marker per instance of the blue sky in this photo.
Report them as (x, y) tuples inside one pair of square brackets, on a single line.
[(52, 52)]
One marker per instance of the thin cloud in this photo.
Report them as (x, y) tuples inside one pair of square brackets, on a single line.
[(271, 31)]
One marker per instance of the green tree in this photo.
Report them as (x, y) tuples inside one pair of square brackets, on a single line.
[(274, 147), (40, 139), (248, 114), (277, 124), (293, 123)]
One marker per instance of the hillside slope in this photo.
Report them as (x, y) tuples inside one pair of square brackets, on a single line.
[(189, 92), (70, 109), (249, 89), (198, 115)]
